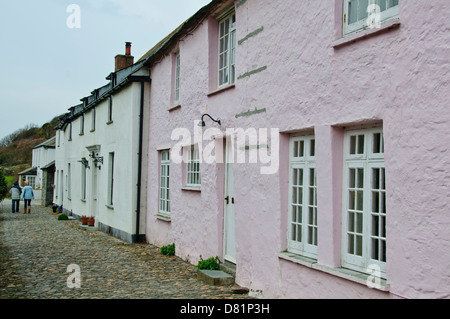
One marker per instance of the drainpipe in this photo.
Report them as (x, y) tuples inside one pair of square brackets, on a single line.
[(139, 180), (142, 80)]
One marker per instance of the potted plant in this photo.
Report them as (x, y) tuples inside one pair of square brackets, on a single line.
[(91, 221), (84, 220)]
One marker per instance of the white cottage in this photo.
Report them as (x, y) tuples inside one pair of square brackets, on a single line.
[(100, 155), (43, 155), (43, 158)]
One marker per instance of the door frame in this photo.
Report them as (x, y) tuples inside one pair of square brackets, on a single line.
[(228, 201)]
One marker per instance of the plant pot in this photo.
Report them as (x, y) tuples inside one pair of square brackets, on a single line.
[(91, 221), (84, 220)]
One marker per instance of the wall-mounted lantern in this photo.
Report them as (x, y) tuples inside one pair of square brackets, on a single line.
[(203, 124)]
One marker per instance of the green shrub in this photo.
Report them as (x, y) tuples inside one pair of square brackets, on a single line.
[(3, 186), (63, 217), (212, 263), (168, 250)]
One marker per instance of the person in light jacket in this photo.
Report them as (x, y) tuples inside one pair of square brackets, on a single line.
[(27, 196), (15, 192)]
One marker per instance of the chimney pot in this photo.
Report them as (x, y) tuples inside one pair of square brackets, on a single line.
[(128, 48)]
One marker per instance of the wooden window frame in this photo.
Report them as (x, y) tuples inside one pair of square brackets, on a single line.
[(360, 233), (303, 229)]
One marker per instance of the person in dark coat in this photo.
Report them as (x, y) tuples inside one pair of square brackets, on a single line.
[(15, 192)]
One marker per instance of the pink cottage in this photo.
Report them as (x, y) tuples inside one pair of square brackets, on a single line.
[(328, 175)]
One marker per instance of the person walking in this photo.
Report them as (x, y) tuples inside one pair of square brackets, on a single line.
[(27, 196), (15, 192)]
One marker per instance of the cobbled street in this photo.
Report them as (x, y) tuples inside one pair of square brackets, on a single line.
[(36, 249)]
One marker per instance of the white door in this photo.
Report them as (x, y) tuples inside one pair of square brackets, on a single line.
[(229, 221)]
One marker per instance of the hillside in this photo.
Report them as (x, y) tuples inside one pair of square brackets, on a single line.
[(16, 148)]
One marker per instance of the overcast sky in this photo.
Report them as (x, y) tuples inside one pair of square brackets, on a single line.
[(47, 64)]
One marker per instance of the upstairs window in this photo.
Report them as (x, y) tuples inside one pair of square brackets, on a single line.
[(110, 110), (227, 49), (82, 125), (177, 79), (364, 14)]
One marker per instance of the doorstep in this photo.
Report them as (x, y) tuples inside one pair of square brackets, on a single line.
[(215, 277), (87, 227)]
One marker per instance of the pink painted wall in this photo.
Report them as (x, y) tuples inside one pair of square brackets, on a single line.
[(397, 77)]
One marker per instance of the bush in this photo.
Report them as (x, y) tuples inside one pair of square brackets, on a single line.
[(3, 186), (168, 250), (63, 217), (211, 263)]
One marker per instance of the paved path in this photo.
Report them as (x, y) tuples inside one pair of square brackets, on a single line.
[(36, 249)]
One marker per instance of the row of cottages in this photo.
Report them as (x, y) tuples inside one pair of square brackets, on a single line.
[(40, 175), (101, 152), (305, 143)]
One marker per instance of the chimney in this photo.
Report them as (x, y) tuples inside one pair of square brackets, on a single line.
[(124, 60)]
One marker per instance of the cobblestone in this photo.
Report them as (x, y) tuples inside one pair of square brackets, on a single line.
[(36, 249)]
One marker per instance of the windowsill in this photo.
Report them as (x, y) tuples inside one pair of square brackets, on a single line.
[(338, 272), (93, 130), (110, 206), (109, 122), (164, 217), (83, 200), (221, 89), (81, 134), (192, 188), (353, 37), (174, 107)]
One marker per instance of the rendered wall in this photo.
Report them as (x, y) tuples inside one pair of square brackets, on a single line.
[(290, 68)]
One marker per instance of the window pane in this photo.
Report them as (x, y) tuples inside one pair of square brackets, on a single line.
[(351, 178), (352, 11), (381, 4), (362, 9), (360, 178), (359, 245), (312, 148), (352, 145), (360, 144), (392, 3), (359, 201)]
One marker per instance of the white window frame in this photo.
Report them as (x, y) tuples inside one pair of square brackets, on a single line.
[(93, 115), (177, 78), (111, 159), (70, 131), (365, 22), (193, 176), (227, 49), (302, 230), (164, 182), (110, 110), (69, 182), (83, 179), (32, 181), (358, 203), (82, 124)]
